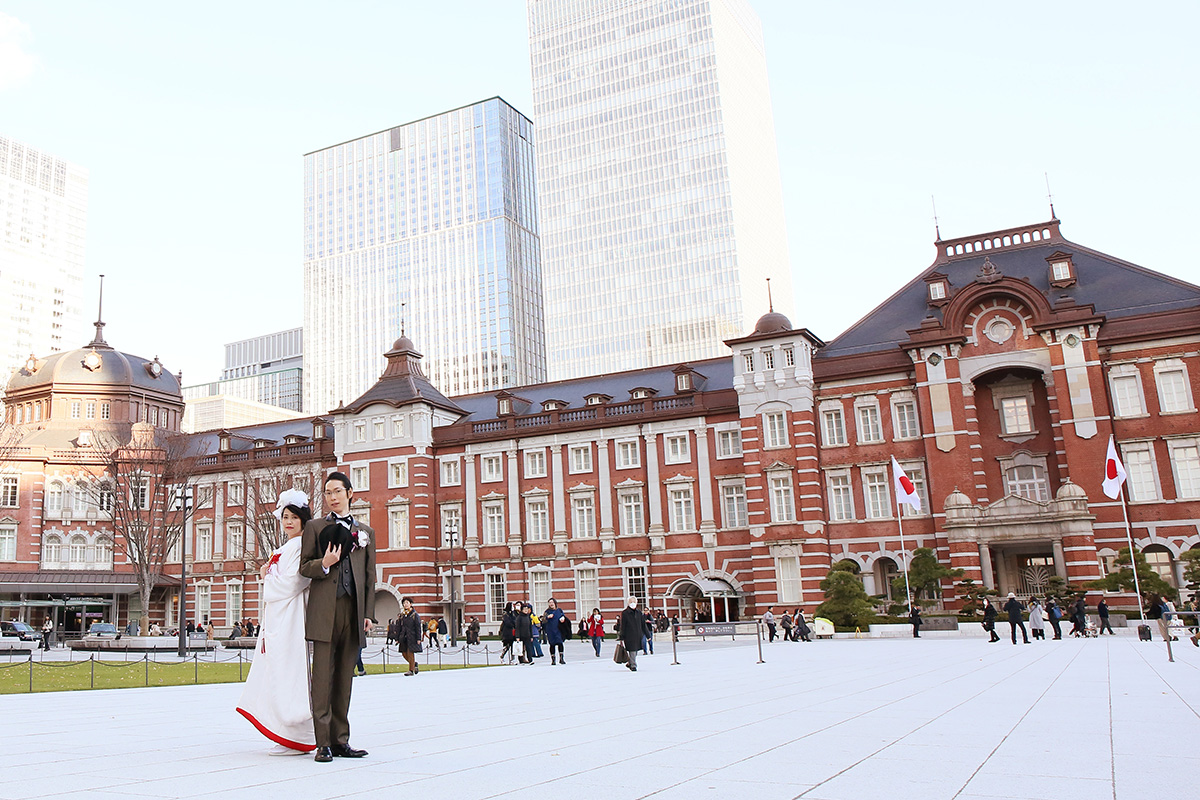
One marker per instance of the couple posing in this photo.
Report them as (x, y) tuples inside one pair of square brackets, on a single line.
[(319, 590)]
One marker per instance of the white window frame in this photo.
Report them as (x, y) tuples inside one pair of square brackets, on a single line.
[(537, 518), (497, 594), (204, 542), (378, 429), (397, 473), (636, 582), (839, 487), (829, 413), (1122, 378), (450, 471), (1142, 470), (360, 477), (681, 500), (8, 543), (360, 431), (491, 468), (587, 590), (734, 511), (783, 497), (398, 427), (1187, 488), (235, 532), (450, 516), (204, 601), (631, 524), (877, 492), (775, 433), (540, 589), (233, 611), (899, 433), (1005, 403), (1183, 403), (398, 528), (868, 423), (626, 448), (677, 448), (916, 474), (768, 355), (729, 443), (583, 515), (236, 493), (492, 522), (789, 588), (579, 458), (10, 491), (535, 463), (1039, 483)]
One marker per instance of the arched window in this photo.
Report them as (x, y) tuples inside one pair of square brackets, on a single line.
[(885, 572), (79, 497), (52, 551), (1028, 481), (1159, 559), (104, 552), (104, 496), (77, 550), (54, 498)]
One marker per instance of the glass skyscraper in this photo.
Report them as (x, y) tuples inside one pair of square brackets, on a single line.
[(432, 225), (662, 211)]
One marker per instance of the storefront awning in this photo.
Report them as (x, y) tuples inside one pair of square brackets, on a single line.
[(715, 587), (76, 582)]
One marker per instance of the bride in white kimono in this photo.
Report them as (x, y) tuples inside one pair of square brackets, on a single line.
[(276, 695)]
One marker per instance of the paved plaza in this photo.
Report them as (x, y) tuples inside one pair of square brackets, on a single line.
[(832, 720)]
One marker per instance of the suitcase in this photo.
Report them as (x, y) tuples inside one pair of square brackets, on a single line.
[(1144, 633)]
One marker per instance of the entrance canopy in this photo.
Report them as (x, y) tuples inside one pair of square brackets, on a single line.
[(701, 587)]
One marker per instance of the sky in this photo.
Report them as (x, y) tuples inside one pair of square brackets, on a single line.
[(193, 121)]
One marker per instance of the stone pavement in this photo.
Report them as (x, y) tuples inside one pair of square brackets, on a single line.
[(833, 720)]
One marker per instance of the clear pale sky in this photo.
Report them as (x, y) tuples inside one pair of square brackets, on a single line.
[(192, 120)]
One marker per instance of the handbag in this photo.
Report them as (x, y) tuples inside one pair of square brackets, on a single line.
[(619, 654), (519, 648)]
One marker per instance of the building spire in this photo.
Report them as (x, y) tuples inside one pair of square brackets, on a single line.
[(770, 302), (99, 340), (402, 305), (936, 230), (1049, 196)]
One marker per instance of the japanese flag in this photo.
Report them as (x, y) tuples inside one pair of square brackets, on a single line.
[(1114, 471), (906, 493)]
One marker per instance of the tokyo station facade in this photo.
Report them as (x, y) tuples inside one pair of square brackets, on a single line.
[(718, 488)]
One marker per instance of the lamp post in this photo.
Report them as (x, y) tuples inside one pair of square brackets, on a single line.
[(452, 538), (187, 514)]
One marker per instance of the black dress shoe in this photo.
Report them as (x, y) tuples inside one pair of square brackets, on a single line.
[(324, 755), (346, 751)]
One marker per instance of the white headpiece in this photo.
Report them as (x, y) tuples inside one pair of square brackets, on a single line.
[(290, 497)]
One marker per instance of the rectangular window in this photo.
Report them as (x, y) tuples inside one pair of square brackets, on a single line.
[(378, 430), (398, 528), (729, 444), (535, 463), (1139, 465), (841, 498), (397, 427), (233, 603), (1172, 391), (869, 429), (1028, 481), (789, 357), (677, 451), (583, 514), (768, 359), (917, 476), (497, 594), (733, 505), (906, 420), (360, 432), (493, 523), (875, 487), (783, 509), (587, 591), (203, 601), (1014, 415), (834, 427), (450, 476), (789, 579), (537, 515), (105, 410), (237, 541), (8, 492), (1185, 460), (775, 429), (1126, 396), (74, 409), (89, 413), (683, 517), (359, 477), (8, 543), (635, 586), (140, 493), (491, 469), (237, 494), (748, 361), (631, 514), (451, 526), (204, 543), (581, 458), (397, 474), (539, 590), (628, 455)]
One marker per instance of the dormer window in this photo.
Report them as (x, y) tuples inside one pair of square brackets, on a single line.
[(597, 399), (683, 382), (504, 406), (318, 429), (1062, 270), (226, 443), (641, 393), (552, 405), (937, 290)]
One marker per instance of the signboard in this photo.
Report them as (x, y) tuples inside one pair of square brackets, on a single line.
[(714, 629)]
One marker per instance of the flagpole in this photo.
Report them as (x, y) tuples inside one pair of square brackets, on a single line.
[(1137, 586), (903, 555)]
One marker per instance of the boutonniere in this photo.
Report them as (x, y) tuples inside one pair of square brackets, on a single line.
[(361, 539)]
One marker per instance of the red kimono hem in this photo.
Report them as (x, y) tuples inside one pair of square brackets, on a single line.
[(274, 737)]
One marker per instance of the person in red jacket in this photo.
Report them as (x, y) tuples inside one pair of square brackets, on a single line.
[(595, 628)]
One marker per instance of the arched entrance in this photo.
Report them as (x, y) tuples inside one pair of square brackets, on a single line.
[(387, 607), (704, 600)]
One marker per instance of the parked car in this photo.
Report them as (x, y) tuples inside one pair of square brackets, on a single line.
[(103, 629), (20, 630)]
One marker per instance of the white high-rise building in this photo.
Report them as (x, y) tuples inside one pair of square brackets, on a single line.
[(658, 179), (430, 226), (43, 230)]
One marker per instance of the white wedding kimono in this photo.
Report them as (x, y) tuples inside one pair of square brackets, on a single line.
[(276, 698)]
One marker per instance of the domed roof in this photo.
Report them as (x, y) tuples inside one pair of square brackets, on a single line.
[(1070, 491), (957, 499), (772, 322), (98, 364)]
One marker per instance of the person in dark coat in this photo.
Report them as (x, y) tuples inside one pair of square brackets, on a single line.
[(524, 623), (803, 632), (552, 621), (1054, 614), (1102, 610), (989, 619), (473, 631), (631, 628), (564, 627), (1079, 617), (1014, 609), (914, 619), (508, 631), (409, 634)]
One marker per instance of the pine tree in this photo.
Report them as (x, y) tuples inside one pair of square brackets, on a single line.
[(846, 602), (925, 575), (1121, 580)]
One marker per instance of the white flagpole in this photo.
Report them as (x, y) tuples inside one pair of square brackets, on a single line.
[(1137, 586), (903, 555)]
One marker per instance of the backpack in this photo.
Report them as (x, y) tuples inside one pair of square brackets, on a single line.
[(1056, 613)]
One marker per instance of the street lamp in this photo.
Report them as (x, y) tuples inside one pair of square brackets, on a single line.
[(187, 513), (452, 538)]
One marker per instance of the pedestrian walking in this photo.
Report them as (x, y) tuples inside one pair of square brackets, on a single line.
[(802, 632), (552, 626), (631, 629), (1014, 608), (47, 634), (989, 619), (595, 629), (508, 632), (1157, 610), (648, 635), (1037, 625), (769, 620), (536, 622), (1054, 614), (431, 632), (409, 634), (524, 624), (1102, 612), (473, 631), (914, 619), (785, 624)]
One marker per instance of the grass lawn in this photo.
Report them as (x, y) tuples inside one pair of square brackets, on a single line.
[(62, 676)]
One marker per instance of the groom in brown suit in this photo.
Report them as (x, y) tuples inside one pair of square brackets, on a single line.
[(341, 607)]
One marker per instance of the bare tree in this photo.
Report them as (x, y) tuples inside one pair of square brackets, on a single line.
[(144, 479), (262, 485)]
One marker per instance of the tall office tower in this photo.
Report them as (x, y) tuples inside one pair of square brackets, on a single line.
[(431, 226), (265, 369), (662, 212), (43, 230)]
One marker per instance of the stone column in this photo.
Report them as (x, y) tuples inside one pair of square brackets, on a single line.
[(559, 489), (471, 511), (1006, 582), (1060, 559), (985, 563), (605, 488), (708, 523), (653, 485), (515, 538)]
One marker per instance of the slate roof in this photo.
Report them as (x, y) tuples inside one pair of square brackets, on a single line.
[(402, 382), (1115, 288), (209, 442), (116, 369)]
